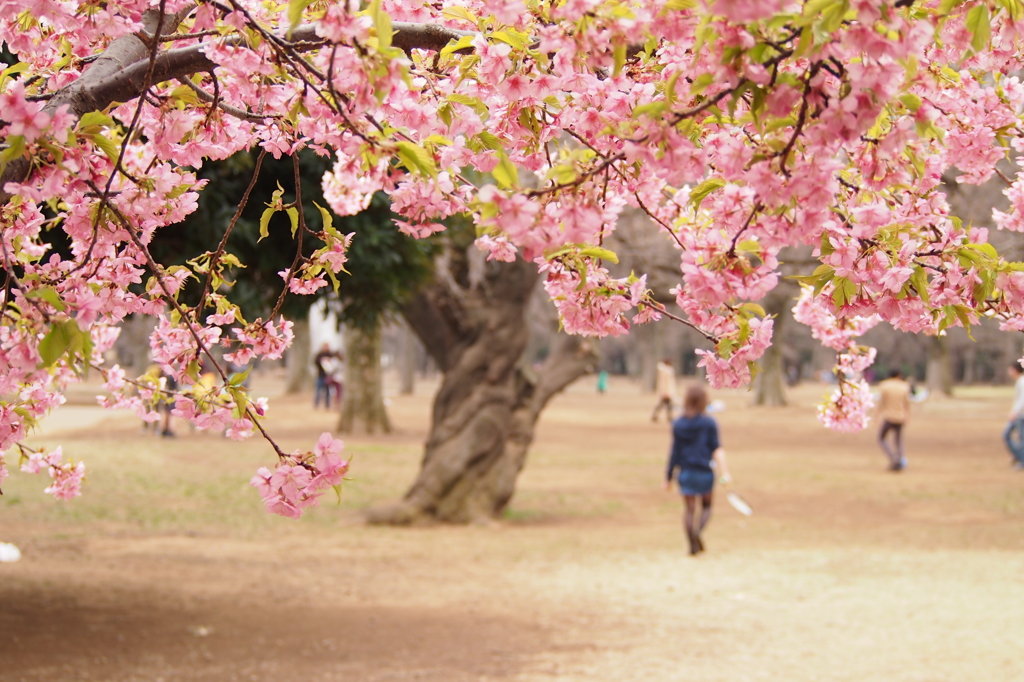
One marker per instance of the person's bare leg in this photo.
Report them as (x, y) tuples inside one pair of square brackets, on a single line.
[(688, 518), (705, 516)]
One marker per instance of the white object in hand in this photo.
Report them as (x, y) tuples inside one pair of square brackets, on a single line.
[(715, 406), (9, 552)]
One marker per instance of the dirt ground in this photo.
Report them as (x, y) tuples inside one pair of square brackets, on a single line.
[(168, 569)]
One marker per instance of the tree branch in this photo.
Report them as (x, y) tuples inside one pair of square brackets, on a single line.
[(119, 73)]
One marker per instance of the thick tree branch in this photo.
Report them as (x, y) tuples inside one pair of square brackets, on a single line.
[(119, 74), (121, 53)]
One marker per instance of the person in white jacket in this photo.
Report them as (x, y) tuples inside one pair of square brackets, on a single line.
[(665, 387), (1016, 422)]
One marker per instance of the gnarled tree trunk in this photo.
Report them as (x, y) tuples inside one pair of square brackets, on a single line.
[(363, 404), (471, 320)]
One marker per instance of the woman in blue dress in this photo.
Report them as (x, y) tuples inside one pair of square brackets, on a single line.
[(696, 453)]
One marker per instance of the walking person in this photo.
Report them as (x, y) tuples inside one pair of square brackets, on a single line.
[(1016, 423), (335, 367), (665, 387), (323, 386), (894, 411), (696, 454)]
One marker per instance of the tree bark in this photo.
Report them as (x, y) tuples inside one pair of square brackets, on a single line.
[(406, 360), (939, 370), (363, 403), (770, 385), (297, 363), (471, 320)]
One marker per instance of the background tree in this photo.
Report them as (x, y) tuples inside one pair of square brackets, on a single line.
[(385, 265)]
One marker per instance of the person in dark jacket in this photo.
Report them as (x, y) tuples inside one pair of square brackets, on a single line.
[(696, 453)]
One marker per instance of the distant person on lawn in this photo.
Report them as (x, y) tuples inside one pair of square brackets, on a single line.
[(696, 453), (665, 387), (323, 387), (1016, 423), (894, 411)]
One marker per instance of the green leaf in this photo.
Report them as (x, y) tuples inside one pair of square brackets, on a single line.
[(920, 281), (20, 67), (192, 370), (505, 172), (825, 274), (48, 294), (563, 173), (239, 399), (62, 337), (680, 4), (15, 148), (457, 12), (293, 215), (474, 103), (754, 309), (652, 109), (911, 101), (453, 47), (986, 249), (979, 23), (517, 40), (601, 253), (96, 118), (619, 53), (444, 112), (265, 223), (382, 22), (295, 10), (700, 83), (416, 158), (962, 314), (670, 87), (845, 291), (327, 217), (108, 146), (1014, 7), (238, 378), (490, 141), (826, 245), (701, 191)]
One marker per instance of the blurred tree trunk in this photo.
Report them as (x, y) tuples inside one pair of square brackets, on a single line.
[(471, 321), (297, 362), (652, 341), (939, 370), (133, 344), (969, 364), (770, 384), (363, 403), (406, 360)]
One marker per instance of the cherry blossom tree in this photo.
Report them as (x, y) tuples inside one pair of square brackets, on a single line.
[(740, 127)]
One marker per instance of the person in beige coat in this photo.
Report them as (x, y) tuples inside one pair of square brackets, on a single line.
[(665, 387), (894, 411)]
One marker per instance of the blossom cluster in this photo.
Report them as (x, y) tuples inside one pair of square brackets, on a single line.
[(300, 479), (741, 129), (846, 409)]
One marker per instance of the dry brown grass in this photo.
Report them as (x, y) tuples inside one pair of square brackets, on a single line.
[(168, 569)]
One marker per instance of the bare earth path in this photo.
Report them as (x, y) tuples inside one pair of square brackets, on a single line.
[(167, 569)]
